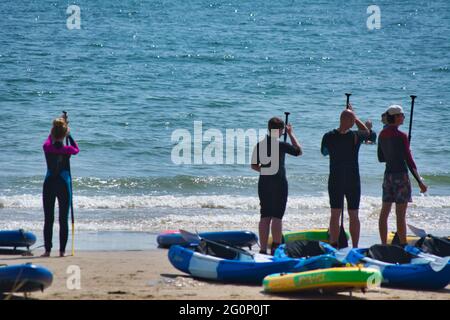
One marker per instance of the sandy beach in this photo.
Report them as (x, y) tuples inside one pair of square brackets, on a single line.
[(148, 275)]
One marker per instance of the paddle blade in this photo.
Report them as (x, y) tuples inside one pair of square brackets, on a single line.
[(439, 263), (396, 240), (342, 254), (417, 231), (342, 240), (190, 237)]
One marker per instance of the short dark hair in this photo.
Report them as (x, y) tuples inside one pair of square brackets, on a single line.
[(275, 123)]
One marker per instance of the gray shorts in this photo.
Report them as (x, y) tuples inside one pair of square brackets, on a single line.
[(397, 188)]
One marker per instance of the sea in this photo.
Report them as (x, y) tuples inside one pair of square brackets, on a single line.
[(133, 74)]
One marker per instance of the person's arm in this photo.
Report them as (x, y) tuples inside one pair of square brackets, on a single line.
[(295, 144), (412, 165), (380, 153), (255, 165), (324, 146), (73, 147), (361, 127), (363, 131)]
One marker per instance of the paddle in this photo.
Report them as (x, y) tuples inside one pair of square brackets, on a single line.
[(439, 246), (342, 240), (417, 231), (421, 233), (71, 195), (348, 99), (411, 118), (195, 239), (285, 124)]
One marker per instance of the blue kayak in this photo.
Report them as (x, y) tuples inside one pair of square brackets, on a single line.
[(233, 238), (227, 265), (404, 267), (17, 238), (24, 278), (310, 255)]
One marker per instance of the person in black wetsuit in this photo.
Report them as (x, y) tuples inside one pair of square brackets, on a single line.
[(272, 184), (372, 137), (393, 149), (342, 145), (57, 183)]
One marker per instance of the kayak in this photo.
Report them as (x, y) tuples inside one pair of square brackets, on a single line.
[(311, 234), (404, 267), (17, 238), (411, 239), (310, 255), (225, 264), (24, 278), (332, 279), (234, 238)]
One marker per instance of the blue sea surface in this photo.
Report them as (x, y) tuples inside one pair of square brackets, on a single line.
[(137, 71)]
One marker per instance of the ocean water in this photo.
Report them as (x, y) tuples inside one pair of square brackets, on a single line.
[(137, 71)]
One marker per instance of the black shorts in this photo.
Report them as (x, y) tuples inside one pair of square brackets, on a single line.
[(348, 186), (273, 194)]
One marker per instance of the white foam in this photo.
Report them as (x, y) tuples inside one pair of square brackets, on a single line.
[(28, 201)]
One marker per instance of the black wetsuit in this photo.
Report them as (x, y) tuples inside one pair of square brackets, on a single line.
[(344, 177), (372, 137), (273, 189), (57, 185)]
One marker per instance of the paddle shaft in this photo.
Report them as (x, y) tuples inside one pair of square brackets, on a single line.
[(342, 240), (413, 97), (71, 197), (348, 99), (285, 124)]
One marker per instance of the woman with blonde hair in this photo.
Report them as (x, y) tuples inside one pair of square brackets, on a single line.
[(57, 184)]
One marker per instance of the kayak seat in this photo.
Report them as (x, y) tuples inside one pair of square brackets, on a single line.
[(389, 254), (304, 249), (222, 251)]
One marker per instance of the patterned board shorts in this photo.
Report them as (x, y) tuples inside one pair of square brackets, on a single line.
[(397, 188)]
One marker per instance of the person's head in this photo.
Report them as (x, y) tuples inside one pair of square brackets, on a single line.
[(395, 115), (59, 129), (276, 123), (369, 124), (347, 119)]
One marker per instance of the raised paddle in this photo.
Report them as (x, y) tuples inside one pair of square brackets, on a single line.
[(285, 124), (342, 240), (348, 99), (413, 97), (71, 194)]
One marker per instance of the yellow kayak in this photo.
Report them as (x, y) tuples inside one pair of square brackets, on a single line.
[(332, 279), (409, 238), (312, 234)]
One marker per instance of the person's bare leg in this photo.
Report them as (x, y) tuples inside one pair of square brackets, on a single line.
[(355, 227), (264, 228), (276, 234), (383, 221), (400, 212), (277, 227), (334, 225)]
